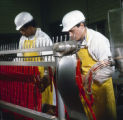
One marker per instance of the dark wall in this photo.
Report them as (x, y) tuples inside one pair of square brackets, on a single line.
[(10, 8), (94, 10), (49, 13)]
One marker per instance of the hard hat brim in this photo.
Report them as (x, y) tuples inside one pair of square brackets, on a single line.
[(66, 29), (18, 28)]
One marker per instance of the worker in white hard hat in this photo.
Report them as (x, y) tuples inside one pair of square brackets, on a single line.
[(34, 37), (95, 47)]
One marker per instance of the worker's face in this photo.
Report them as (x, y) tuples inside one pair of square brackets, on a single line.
[(27, 31), (77, 33)]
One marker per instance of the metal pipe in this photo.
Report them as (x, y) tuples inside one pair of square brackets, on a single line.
[(26, 63), (61, 110), (49, 48), (26, 112)]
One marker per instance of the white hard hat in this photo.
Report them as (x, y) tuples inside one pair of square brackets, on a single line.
[(71, 19), (22, 18)]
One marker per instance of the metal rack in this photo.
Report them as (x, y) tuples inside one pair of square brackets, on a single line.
[(19, 61)]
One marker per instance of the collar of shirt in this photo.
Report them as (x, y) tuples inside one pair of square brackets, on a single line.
[(82, 43)]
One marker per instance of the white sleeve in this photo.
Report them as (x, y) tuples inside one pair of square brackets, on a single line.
[(48, 43), (101, 48), (101, 51), (21, 42), (105, 73), (44, 40)]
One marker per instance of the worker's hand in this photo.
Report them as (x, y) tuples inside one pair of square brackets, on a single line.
[(43, 83), (49, 109)]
